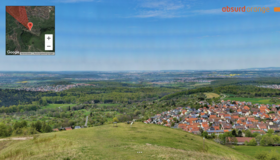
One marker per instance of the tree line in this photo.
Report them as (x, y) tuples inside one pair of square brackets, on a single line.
[(187, 92), (22, 128)]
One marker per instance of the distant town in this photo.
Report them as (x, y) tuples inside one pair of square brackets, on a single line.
[(221, 118), (57, 88), (271, 86)]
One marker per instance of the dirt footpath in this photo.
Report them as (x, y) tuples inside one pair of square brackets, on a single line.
[(16, 138)]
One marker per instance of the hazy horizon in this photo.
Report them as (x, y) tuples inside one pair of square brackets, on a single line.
[(265, 68)]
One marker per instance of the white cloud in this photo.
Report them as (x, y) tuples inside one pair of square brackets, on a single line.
[(161, 8), (156, 13)]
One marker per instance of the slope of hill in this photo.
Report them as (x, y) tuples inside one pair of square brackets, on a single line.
[(141, 141)]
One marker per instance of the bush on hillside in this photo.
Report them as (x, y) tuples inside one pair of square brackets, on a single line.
[(24, 131), (273, 155), (252, 142), (262, 155)]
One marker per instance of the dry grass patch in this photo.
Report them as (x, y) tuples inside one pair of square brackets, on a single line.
[(212, 95)]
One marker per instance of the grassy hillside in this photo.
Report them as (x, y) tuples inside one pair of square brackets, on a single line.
[(122, 142)]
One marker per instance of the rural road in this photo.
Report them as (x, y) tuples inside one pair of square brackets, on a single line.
[(224, 96)]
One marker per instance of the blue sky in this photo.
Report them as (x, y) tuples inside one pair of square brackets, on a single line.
[(111, 35)]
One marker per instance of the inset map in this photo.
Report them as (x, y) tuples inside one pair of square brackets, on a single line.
[(30, 30)]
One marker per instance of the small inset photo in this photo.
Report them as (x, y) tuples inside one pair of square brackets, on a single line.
[(30, 30)]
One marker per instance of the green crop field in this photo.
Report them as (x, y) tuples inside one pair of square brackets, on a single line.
[(141, 141), (253, 150), (107, 104), (253, 100), (58, 105)]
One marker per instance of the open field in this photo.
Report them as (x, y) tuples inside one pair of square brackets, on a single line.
[(253, 150), (211, 95), (58, 105), (253, 100), (107, 104), (200, 84), (141, 141), (22, 82)]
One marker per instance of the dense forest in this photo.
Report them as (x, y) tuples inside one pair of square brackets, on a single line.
[(14, 97), (10, 97), (243, 81), (187, 92)]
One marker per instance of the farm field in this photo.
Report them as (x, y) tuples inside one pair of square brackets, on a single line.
[(253, 100), (200, 84), (58, 105), (212, 95), (107, 104), (122, 142)]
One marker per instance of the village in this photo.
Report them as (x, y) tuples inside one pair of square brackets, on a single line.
[(222, 118), (57, 88)]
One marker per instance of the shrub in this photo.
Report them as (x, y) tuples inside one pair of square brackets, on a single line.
[(262, 155), (273, 155), (24, 131), (3, 130), (252, 142), (266, 140)]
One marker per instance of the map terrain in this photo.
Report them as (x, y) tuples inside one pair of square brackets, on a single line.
[(21, 39)]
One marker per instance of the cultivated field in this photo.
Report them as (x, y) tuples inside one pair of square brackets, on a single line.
[(211, 95), (253, 100), (58, 105)]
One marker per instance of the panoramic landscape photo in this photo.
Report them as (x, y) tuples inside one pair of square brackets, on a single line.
[(140, 80)]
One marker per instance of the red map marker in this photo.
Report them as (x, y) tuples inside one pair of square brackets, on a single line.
[(19, 13), (30, 25)]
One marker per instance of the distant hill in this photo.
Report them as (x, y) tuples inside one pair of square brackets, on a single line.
[(141, 141), (267, 68)]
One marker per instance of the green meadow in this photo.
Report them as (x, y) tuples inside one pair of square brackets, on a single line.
[(107, 104), (58, 105), (253, 100), (253, 150)]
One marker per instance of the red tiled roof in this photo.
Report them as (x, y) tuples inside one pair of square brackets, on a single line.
[(258, 131), (68, 128), (181, 125), (216, 127), (246, 107), (250, 119), (212, 116), (55, 130), (243, 139)]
